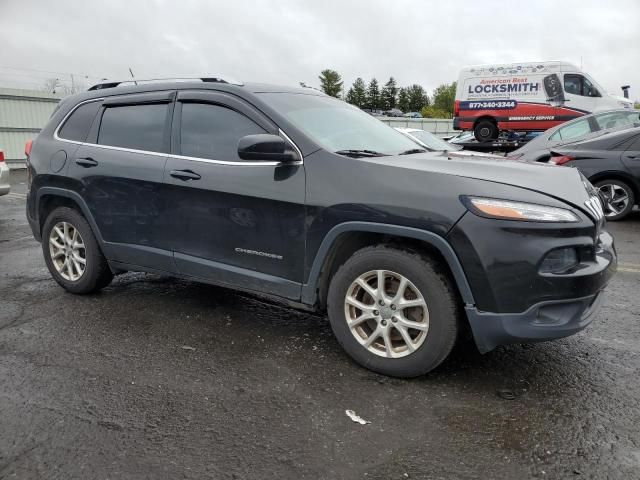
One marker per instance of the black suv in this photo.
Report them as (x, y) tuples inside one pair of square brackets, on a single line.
[(295, 194)]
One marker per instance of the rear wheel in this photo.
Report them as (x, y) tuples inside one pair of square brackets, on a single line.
[(72, 253), (618, 197), (485, 131), (393, 311)]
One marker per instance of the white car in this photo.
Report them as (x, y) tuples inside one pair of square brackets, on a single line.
[(428, 140), (5, 184)]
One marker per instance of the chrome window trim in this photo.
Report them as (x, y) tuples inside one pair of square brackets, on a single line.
[(64, 119), (166, 155)]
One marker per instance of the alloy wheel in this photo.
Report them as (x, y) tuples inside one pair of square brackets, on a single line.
[(67, 250), (386, 313), (616, 199)]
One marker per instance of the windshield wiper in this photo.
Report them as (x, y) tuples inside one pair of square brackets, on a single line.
[(412, 151), (360, 153)]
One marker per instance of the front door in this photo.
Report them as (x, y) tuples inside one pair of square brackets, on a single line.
[(580, 94), (120, 171), (234, 222)]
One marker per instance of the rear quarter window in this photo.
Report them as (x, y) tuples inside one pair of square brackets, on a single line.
[(77, 126)]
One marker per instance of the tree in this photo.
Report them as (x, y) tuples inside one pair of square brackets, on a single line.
[(51, 85), (373, 95), (429, 111), (416, 98), (389, 94), (444, 97), (403, 100), (331, 82), (357, 94)]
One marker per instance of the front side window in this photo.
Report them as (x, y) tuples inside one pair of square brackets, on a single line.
[(139, 127), (338, 126), (77, 126), (213, 131), (575, 130), (578, 85)]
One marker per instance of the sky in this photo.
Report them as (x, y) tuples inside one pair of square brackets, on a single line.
[(291, 41)]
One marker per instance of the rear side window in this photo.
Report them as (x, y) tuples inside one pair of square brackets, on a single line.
[(213, 131), (139, 127), (574, 130), (616, 119), (77, 126)]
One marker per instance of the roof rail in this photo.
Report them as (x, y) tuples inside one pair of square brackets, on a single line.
[(207, 79)]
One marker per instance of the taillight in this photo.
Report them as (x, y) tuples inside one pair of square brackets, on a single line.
[(27, 148), (1, 156), (456, 108), (560, 160)]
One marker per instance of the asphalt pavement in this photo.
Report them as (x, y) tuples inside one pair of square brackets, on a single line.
[(161, 378)]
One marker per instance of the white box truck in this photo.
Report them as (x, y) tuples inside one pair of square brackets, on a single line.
[(526, 97)]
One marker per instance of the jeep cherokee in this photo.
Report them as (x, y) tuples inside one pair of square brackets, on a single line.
[(300, 196)]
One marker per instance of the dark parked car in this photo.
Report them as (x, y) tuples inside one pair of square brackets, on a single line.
[(582, 128), (612, 163), (297, 195)]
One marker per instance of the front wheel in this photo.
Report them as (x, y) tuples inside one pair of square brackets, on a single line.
[(393, 311), (618, 197)]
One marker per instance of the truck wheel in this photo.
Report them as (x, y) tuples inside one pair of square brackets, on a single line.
[(72, 254), (393, 311), (485, 131), (619, 198)]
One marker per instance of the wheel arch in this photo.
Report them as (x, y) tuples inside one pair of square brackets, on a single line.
[(49, 198), (620, 176), (346, 238), (481, 118)]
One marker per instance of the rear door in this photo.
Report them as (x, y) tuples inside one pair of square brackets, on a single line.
[(631, 158), (233, 221), (120, 169)]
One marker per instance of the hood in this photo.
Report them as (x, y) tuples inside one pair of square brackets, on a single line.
[(562, 183), (623, 101)]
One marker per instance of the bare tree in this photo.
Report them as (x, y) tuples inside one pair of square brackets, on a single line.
[(51, 85)]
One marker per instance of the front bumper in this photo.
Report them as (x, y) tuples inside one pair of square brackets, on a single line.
[(541, 322)]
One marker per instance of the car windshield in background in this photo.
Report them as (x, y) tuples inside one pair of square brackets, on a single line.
[(338, 126), (432, 142)]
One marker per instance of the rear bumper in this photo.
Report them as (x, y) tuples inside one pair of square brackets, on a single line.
[(543, 321), (5, 183)]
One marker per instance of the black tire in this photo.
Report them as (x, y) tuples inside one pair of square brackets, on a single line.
[(97, 273), (485, 131), (613, 210), (435, 287)]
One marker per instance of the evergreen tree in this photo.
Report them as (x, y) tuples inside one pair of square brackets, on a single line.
[(416, 98), (357, 94), (403, 100), (330, 82), (373, 95), (389, 94)]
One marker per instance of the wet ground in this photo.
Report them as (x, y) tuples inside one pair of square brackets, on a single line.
[(161, 378)]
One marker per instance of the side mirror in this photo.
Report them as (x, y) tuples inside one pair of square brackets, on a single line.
[(265, 147)]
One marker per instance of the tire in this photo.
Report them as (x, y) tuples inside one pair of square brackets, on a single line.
[(65, 267), (485, 131), (425, 281), (618, 197)]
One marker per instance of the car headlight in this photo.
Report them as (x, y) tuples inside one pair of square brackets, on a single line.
[(511, 210)]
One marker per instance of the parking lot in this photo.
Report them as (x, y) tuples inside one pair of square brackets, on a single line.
[(161, 378)]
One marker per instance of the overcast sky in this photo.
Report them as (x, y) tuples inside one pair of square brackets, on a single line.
[(289, 41)]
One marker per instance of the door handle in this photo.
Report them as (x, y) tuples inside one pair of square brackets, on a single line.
[(86, 162), (185, 175), (633, 157)]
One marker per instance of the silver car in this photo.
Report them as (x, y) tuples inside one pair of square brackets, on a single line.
[(5, 184)]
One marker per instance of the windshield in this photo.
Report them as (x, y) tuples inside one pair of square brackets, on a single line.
[(338, 126), (432, 142)]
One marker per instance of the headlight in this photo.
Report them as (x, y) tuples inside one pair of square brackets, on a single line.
[(510, 210)]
